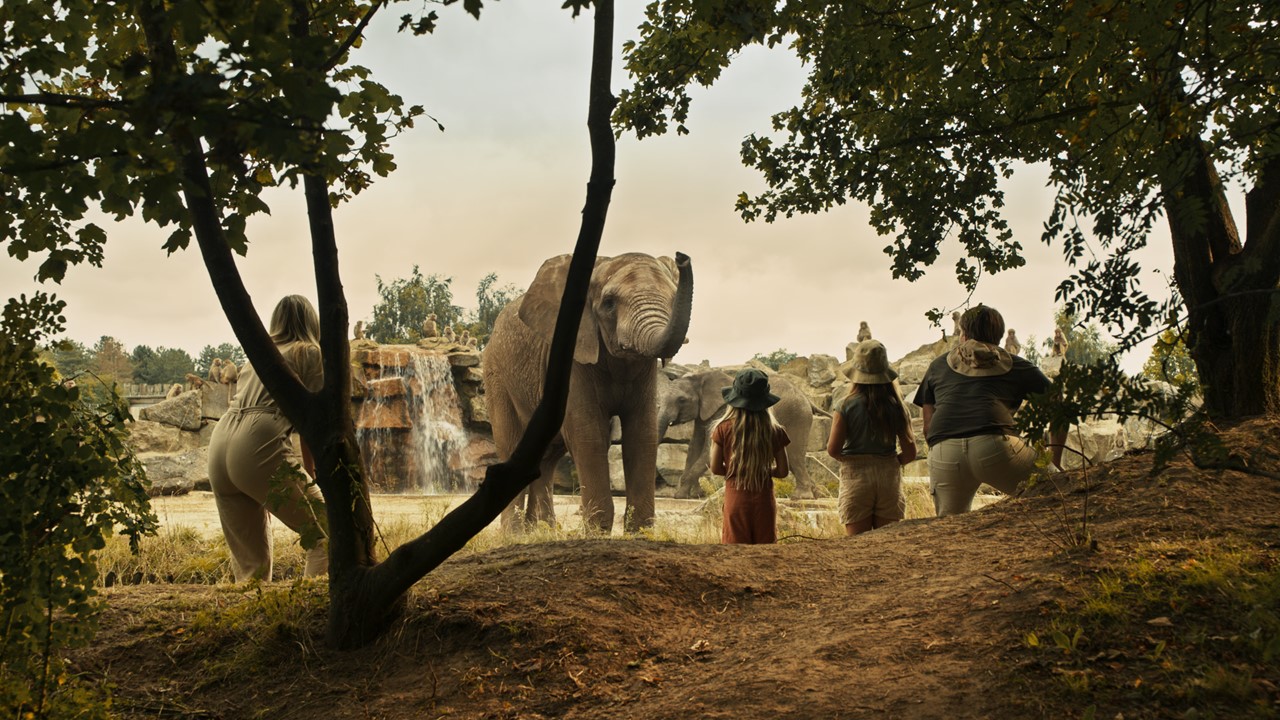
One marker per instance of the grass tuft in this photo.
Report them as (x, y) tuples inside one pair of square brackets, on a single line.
[(1177, 628), (258, 623)]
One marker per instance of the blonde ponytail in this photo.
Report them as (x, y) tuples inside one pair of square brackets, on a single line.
[(751, 461)]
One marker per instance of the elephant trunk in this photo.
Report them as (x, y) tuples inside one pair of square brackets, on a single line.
[(664, 423), (681, 309)]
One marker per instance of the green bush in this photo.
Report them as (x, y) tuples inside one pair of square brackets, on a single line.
[(67, 480)]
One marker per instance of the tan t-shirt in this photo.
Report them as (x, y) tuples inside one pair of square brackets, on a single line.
[(302, 358)]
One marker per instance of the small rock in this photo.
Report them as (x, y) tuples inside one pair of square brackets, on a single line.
[(464, 358), (176, 474)]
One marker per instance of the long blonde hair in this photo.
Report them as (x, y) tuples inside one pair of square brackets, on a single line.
[(295, 320), (750, 463)]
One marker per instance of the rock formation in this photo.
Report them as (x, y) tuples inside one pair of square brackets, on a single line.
[(389, 399)]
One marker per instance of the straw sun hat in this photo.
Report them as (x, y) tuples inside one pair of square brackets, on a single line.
[(871, 364)]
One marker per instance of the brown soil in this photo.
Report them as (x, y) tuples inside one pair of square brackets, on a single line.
[(922, 619)]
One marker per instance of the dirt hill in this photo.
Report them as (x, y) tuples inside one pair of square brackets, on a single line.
[(1156, 608)]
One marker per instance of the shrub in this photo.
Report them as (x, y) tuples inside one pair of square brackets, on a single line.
[(67, 479)]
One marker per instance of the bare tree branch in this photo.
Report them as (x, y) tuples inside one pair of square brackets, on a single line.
[(236, 303), (61, 100), (351, 39)]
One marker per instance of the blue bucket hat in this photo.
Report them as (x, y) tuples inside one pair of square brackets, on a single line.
[(750, 391)]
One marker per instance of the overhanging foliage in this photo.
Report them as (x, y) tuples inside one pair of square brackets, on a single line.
[(1140, 111)]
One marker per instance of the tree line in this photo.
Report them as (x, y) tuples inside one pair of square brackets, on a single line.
[(406, 303), (112, 363)]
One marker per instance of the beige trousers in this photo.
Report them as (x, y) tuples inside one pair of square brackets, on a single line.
[(958, 466), (871, 486), (247, 447)]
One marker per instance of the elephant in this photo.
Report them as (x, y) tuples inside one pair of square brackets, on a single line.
[(637, 313), (696, 397)]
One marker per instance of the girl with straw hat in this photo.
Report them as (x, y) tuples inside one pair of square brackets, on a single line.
[(748, 447), (872, 423)]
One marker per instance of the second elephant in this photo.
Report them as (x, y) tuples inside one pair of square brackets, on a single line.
[(696, 397)]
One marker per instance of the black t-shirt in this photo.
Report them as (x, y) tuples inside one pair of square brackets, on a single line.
[(858, 436), (966, 406)]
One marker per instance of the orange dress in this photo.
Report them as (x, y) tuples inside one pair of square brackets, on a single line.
[(750, 516)]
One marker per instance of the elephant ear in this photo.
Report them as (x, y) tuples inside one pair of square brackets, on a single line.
[(710, 401), (541, 305)]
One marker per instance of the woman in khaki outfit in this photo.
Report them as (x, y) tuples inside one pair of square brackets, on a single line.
[(250, 443)]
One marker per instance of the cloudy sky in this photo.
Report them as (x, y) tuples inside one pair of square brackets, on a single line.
[(501, 189)]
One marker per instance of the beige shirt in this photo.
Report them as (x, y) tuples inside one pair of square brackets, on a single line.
[(301, 357)]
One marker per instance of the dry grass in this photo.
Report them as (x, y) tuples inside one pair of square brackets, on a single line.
[(182, 554)]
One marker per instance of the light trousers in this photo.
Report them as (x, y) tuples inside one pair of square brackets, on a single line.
[(245, 451), (871, 487), (959, 465)]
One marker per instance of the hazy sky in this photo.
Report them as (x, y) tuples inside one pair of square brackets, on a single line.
[(501, 189)]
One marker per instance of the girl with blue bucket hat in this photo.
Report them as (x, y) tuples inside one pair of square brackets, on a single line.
[(748, 447)]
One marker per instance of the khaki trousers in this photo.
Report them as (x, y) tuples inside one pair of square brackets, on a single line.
[(247, 447), (958, 466), (871, 486)]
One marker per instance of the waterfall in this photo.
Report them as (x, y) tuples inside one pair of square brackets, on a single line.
[(409, 424), (438, 431)]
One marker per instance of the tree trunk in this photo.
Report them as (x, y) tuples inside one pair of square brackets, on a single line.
[(1233, 308), (365, 598), (355, 617), (1241, 375)]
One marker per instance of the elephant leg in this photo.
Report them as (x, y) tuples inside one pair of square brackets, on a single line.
[(689, 485), (804, 484), (541, 507), (639, 463), (507, 430), (513, 514), (695, 463), (587, 438)]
